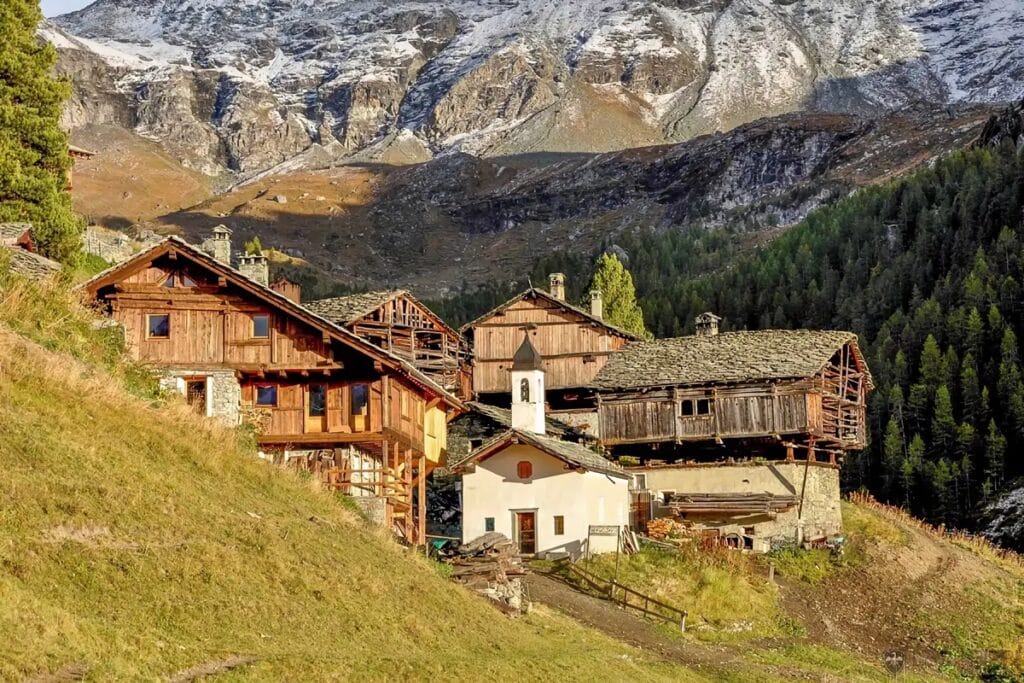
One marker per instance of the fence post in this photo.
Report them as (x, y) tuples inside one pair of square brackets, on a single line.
[(771, 572), (682, 623)]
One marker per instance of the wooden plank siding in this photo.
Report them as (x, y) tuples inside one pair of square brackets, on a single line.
[(735, 412), (574, 348)]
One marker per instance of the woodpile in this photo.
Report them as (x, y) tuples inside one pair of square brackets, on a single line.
[(491, 566), (730, 503)]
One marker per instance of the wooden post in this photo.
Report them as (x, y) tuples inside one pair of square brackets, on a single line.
[(422, 503), (771, 572)]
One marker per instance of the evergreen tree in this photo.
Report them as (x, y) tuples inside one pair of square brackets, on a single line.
[(894, 452), (995, 457), (619, 295), (34, 159), (944, 427)]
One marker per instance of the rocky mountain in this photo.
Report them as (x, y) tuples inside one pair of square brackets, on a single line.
[(245, 86), (460, 218)]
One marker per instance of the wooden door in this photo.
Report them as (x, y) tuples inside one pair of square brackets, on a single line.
[(526, 532), (195, 394), (316, 408)]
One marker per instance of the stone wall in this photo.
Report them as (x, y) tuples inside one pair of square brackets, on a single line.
[(587, 422), (821, 516), (223, 392)]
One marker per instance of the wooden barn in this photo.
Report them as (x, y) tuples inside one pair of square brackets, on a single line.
[(575, 344), (397, 322), (761, 393), (319, 396)]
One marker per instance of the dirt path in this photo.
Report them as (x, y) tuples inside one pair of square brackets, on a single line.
[(613, 621), (877, 607)]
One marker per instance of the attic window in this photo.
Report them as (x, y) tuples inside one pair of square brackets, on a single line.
[(158, 326), (261, 327), (524, 469)]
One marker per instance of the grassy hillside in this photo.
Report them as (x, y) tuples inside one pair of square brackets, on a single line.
[(137, 541)]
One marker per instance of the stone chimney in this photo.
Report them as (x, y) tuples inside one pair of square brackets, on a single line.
[(528, 389), (255, 267), (596, 304), (707, 324), (288, 289), (557, 285), (219, 244)]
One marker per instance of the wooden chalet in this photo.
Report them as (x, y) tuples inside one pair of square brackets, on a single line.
[(575, 345), (397, 322), (76, 153), (762, 393), (367, 421)]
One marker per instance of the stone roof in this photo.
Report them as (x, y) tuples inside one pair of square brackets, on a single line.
[(12, 232), (347, 309), (574, 454), (729, 357), (31, 265), (503, 417), (533, 293)]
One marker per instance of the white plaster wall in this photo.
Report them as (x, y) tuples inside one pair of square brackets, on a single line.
[(495, 490)]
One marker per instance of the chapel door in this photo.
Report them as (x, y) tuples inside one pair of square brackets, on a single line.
[(316, 408), (526, 532), (195, 394)]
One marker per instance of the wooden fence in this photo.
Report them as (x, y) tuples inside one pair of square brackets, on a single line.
[(616, 592), (978, 543)]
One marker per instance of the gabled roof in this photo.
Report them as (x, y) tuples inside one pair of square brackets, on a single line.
[(345, 310), (729, 357), (503, 418), (573, 454), (11, 233), (31, 265), (80, 152), (267, 295), (533, 293)]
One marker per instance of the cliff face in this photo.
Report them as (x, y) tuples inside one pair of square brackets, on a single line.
[(243, 86)]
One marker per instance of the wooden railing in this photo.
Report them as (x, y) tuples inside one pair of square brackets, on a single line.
[(616, 592)]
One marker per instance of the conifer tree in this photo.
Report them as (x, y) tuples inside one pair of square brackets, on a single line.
[(619, 295), (995, 456), (944, 427), (34, 157)]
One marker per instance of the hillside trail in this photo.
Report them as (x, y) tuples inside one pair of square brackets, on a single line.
[(624, 626), (883, 604)]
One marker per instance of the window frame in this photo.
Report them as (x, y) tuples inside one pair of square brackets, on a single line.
[(149, 326), (697, 407), (252, 326), (559, 521), (256, 395), (365, 410), (309, 404), (488, 524)]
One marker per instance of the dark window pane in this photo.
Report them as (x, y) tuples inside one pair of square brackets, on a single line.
[(559, 525), (360, 398), (159, 326), (704, 407), (261, 326), (317, 400), (266, 395), (488, 523), (169, 282), (185, 281), (687, 408)]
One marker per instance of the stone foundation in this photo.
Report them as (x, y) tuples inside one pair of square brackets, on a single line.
[(223, 392), (821, 515)]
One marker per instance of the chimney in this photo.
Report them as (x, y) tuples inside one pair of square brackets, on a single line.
[(219, 244), (557, 288), (707, 324), (255, 267), (528, 389), (596, 304), (288, 289)]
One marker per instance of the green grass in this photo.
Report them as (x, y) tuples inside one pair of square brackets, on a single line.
[(137, 540), (726, 595)]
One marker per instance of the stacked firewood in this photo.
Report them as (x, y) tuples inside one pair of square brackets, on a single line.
[(491, 565)]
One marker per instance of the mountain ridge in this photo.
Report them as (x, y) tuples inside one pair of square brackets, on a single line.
[(241, 87)]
